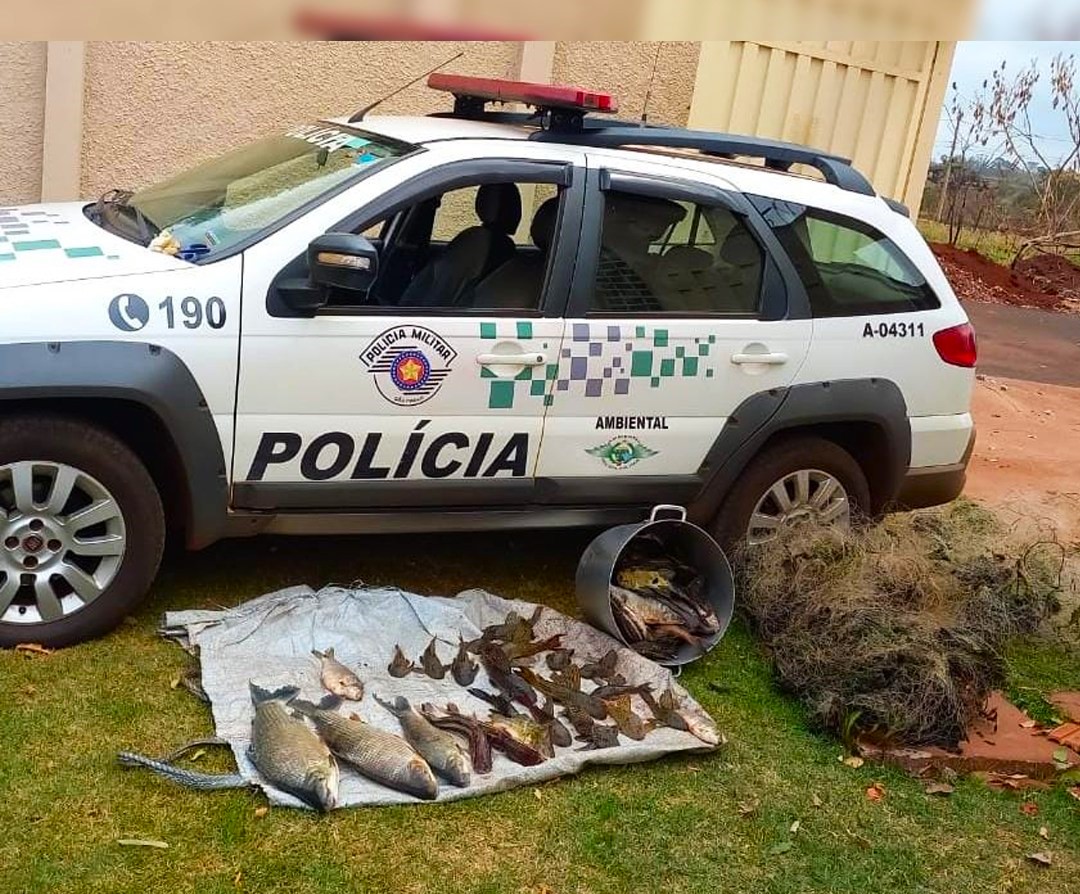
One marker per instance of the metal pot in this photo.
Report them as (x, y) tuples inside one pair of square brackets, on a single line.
[(687, 541)]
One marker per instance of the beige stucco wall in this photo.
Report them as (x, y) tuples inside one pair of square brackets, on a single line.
[(22, 112), (624, 69), (157, 108)]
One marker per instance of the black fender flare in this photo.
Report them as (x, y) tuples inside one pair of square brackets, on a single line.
[(140, 373), (762, 416)]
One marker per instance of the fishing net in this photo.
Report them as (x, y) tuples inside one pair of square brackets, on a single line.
[(897, 630), (269, 641)]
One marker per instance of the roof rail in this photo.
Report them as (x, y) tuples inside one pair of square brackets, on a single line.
[(777, 155)]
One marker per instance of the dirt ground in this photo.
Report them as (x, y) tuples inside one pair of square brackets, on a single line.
[(1027, 454), (1049, 282)]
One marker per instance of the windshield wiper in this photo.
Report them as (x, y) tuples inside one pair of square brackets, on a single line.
[(121, 199)]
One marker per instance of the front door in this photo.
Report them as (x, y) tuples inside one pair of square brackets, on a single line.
[(679, 313), (429, 388)]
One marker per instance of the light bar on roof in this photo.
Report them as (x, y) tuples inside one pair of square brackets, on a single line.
[(542, 96)]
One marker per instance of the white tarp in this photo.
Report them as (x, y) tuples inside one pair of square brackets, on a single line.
[(269, 641)]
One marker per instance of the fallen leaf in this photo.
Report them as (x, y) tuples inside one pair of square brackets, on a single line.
[(236, 878), (537, 795), (853, 761), (1044, 832), (143, 842), (1027, 724), (795, 827), (1029, 808), (1075, 792), (199, 752), (816, 801), (33, 649), (876, 792), (1061, 756), (1043, 858), (260, 812), (781, 848), (939, 788), (174, 682), (748, 807)]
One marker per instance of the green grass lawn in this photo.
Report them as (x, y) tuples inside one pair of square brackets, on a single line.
[(675, 825)]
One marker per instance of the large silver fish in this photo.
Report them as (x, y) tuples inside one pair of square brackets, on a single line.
[(438, 747), (288, 753), (376, 754)]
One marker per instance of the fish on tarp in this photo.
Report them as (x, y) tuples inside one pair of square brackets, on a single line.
[(376, 754), (430, 662), (526, 731), (521, 652), (498, 700), (463, 669), (629, 723), (497, 667), (438, 747), (400, 666), (601, 735), (611, 691), (286, 751), (545, 716), (603, 669), (337, 678), (559, 659), (564, 695), (469, 728)]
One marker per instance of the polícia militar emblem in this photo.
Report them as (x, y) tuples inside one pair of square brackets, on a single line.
[(408, 363)]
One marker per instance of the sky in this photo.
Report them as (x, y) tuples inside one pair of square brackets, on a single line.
[(974, 62)]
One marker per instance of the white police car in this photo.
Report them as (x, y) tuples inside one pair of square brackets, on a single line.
[(470, 320)]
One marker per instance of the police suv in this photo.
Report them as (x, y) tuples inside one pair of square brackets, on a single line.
[(477, 319)]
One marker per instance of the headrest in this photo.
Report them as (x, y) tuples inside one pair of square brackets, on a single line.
[(642, 216), (542, 230), (740, 249), (498, 205)]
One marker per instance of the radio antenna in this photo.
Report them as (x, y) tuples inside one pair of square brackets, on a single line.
[(359, 116), (648, 91)]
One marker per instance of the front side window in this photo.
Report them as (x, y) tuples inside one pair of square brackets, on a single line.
[(486, 247), (848, 267), (665, 256), (213, 207)]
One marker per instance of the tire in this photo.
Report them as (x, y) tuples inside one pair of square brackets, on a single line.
[(820, 458), (112, 561)]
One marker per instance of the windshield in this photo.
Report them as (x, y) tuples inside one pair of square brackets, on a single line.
[(209, 209)]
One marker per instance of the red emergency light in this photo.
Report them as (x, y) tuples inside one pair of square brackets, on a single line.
[(541, 96)]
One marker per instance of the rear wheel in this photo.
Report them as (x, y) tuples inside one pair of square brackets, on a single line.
[(81, 531), (804, 479)]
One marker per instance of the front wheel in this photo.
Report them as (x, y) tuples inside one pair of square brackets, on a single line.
[(81, 531), (805, 479)]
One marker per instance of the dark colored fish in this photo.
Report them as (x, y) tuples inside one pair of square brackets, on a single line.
[(602, 735), (664, 710), (602, 669), (191, 680), (520, 651), (400, 666), (570, 678), (611, 691), (545, 716), (469, 728), (498, 670), (429, 661), (463, 668), (559, 659), (564, 695), (629, 723), (579, 720), (525, 731), (498, 701)]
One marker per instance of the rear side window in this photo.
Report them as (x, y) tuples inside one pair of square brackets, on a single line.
[(848, 267), (672, 256)]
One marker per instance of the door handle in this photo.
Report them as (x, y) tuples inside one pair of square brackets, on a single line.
[(511, 359), (772, 359)]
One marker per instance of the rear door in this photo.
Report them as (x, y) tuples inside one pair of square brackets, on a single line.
[(679, 312)]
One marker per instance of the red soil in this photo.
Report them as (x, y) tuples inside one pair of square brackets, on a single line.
[(975, 278)]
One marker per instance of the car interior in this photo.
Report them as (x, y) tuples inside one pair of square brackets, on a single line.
[(479, 266)]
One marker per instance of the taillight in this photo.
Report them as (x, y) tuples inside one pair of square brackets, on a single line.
[(956, 345)]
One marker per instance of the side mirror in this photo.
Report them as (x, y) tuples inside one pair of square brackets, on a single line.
[(342, 260)]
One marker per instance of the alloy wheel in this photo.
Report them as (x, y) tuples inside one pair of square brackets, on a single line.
[(800, 496), (62, 541)]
